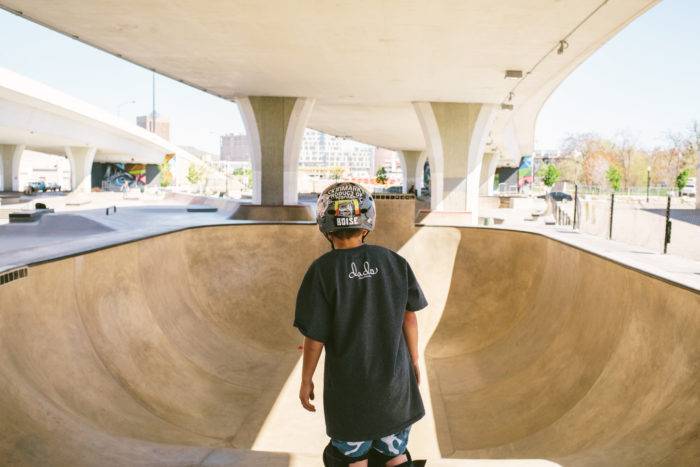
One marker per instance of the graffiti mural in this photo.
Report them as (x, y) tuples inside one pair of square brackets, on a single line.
[(113, 176), (525, 172)]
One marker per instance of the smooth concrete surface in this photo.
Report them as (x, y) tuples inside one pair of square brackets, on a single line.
[(44, 119), (81, 159), (409, 167), (252, 212), (179, 350), (10, 158), (365, 62), (488, 171), (275, 128), (456, 136)]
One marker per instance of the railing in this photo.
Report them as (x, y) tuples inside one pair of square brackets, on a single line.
[(664, 224)]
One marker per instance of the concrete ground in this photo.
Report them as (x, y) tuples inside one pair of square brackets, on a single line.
[(177, 348)]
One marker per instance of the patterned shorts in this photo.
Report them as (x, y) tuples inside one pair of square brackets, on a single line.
[(392, 445)]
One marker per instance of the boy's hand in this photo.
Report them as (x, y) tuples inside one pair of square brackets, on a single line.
[(416, 370), (306, 392)]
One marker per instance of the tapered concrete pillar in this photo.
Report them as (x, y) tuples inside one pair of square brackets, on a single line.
[(456, 136), (10, 158), (420, 171), (409, 166), (275, 128), (488, 171), (81, 159), (697, 190)]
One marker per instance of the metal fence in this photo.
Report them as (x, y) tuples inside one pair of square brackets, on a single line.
[(663, 224)]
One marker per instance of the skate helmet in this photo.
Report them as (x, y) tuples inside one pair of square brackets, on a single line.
[(345, 205)]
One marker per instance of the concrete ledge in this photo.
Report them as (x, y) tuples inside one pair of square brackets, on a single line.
[(250, 212), (28, 216)]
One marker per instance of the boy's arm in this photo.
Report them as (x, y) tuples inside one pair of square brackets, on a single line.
[(312, 352), (410, 330)]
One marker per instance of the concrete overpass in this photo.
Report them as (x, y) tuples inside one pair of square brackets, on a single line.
[(37, 117), (416, 76)]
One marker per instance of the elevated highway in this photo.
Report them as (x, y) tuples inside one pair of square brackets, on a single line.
[(37, 117)]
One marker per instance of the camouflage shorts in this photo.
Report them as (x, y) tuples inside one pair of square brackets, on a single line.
[(391, 446)]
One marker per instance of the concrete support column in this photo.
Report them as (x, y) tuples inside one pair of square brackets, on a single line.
[(409, 166), (275, 128), (697, 190), (10, 158), (456, 136), (488, 170), (420, 171), (81, 159)]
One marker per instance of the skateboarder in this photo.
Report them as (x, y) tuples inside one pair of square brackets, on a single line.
[(358, 302)]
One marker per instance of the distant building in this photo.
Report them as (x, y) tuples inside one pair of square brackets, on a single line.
[(320, 152), (234, 148), (202, 154), (389, 160), (160, 125)]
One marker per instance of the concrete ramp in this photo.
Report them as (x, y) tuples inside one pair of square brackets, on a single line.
[(178, 350)]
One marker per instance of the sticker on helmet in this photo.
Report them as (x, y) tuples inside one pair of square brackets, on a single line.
[(347, 212), (346, 191), (347, 208)]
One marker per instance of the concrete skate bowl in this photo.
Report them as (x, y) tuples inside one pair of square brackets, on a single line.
[(179, 350)]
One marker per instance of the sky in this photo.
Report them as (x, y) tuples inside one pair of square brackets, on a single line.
[(644, 82)]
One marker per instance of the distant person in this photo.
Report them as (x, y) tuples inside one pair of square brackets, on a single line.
[(358, 302), (125, 189)]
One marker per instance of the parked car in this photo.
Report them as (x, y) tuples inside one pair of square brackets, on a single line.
[(34, 187), (690, 188), (557, 196), (53, 186)]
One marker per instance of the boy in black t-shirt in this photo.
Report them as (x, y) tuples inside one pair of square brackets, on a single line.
[(358, 301)]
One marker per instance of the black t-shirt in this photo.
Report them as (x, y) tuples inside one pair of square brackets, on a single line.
[(354, 300)]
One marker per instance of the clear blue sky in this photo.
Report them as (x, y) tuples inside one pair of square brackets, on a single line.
[(645, 81)]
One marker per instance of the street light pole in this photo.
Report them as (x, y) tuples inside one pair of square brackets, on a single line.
[(648, 180), (119, 107)]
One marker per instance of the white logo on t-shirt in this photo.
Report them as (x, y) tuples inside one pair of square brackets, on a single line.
[(367, 272)]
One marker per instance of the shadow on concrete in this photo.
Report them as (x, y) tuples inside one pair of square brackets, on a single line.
[(691, 216)]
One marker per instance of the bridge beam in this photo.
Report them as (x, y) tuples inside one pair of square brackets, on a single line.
[(275, 128), (81, 159), (455, 135)]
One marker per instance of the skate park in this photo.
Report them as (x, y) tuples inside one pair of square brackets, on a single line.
[(161, 336)]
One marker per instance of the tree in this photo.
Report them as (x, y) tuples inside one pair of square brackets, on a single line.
[(166, 176), (682, 180), (336, 173), (245, 174), (624, 149), (381, 176), (549, 174), (614, 177), (194, 174)]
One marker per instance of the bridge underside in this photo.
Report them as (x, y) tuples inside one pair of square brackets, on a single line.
[(377, 72)]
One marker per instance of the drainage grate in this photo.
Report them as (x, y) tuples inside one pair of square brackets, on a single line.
[(10, 276)]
